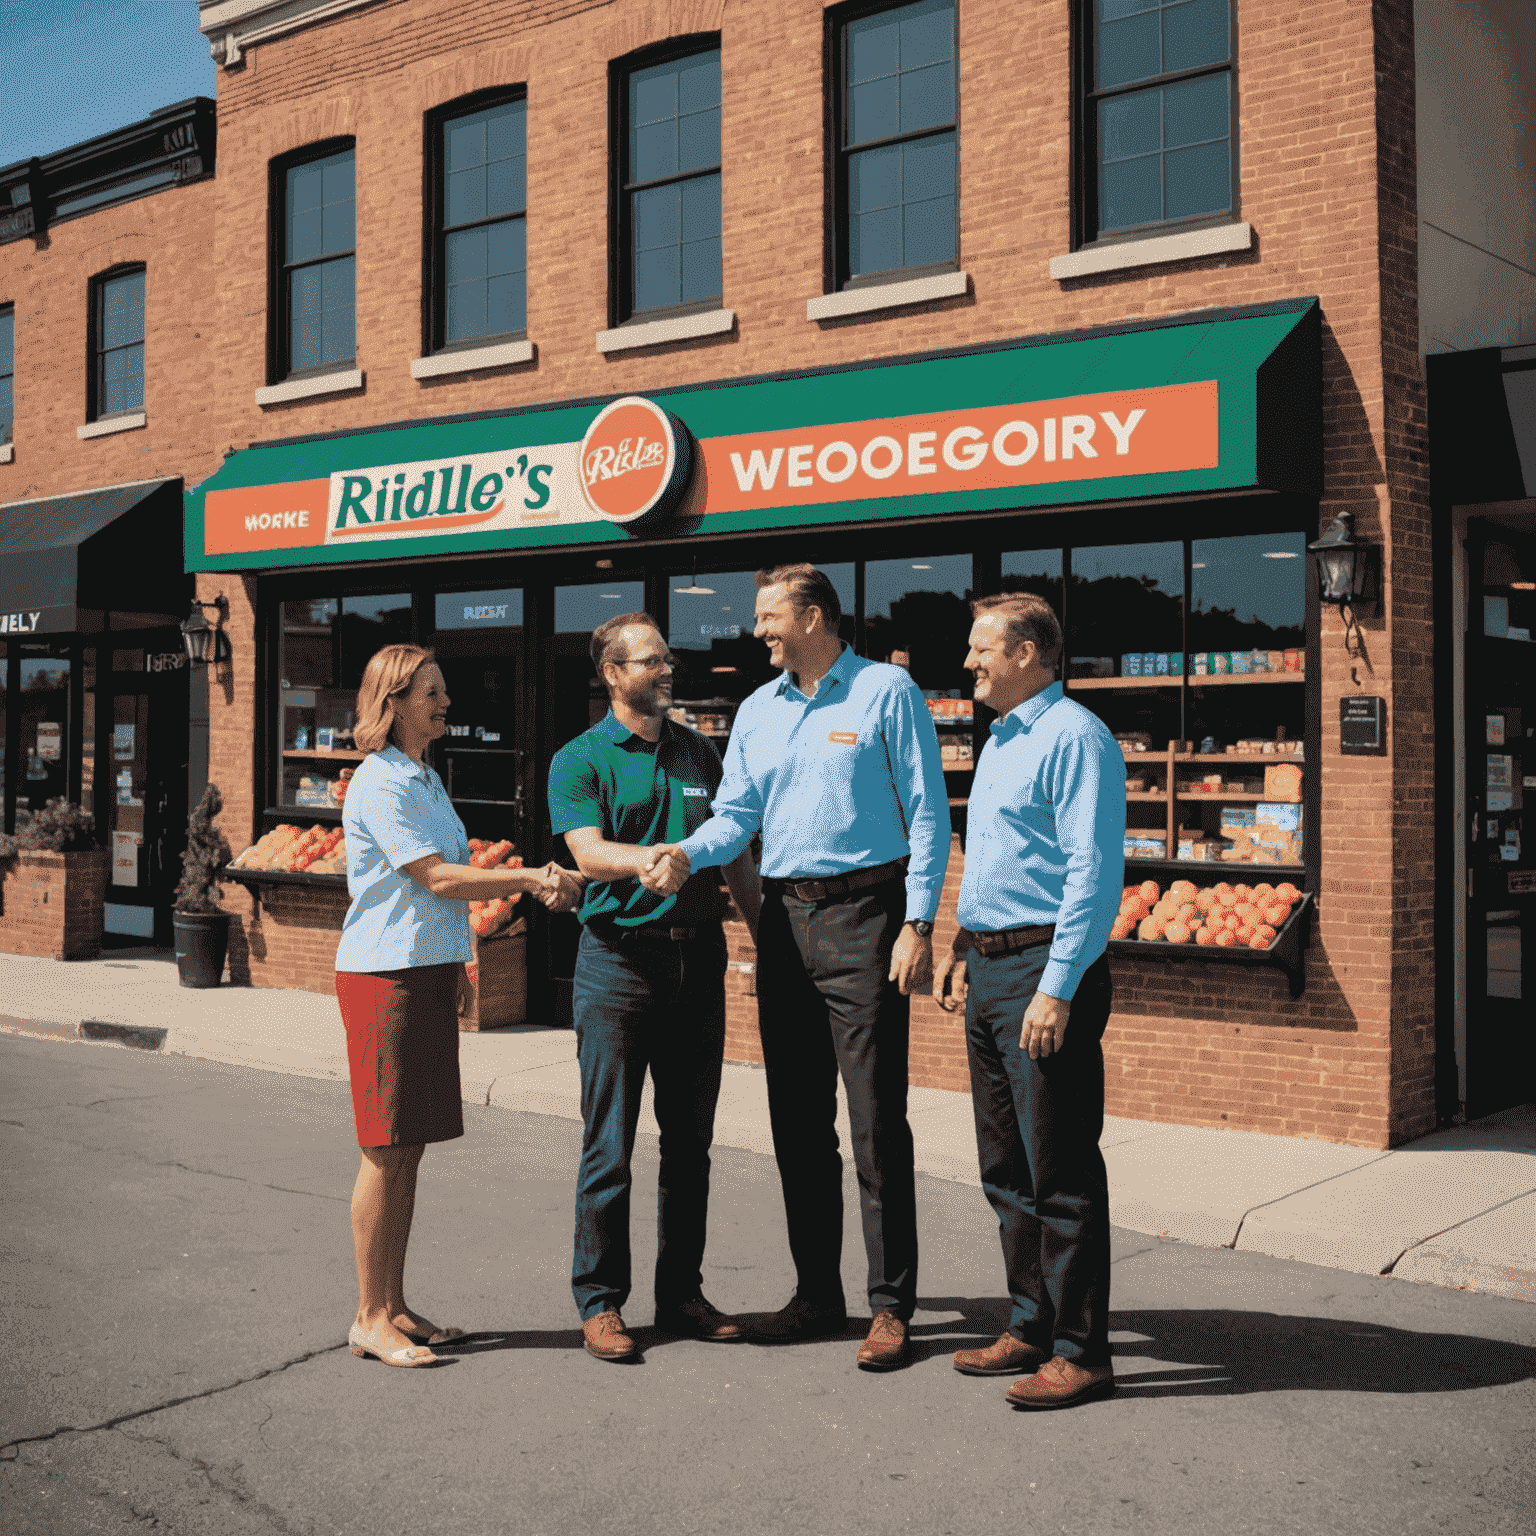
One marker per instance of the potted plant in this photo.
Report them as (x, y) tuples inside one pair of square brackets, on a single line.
[(200, 924), (53, 880)]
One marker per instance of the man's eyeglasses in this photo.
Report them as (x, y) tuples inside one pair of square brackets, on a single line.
[(650, 663)]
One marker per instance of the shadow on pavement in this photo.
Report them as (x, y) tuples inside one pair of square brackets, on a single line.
[(1223, 1353)]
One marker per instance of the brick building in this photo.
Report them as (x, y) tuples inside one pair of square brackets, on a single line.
[(943, 296), (105, 418)]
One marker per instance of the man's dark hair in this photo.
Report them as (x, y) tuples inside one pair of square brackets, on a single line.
[(807, 588), (605, 638), (1028, 618)]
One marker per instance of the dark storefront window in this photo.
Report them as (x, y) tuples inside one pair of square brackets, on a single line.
[(670, 203), (43, 748), (480, 242), (1158, 113), (897, 181), (325, 644), (479, 644)]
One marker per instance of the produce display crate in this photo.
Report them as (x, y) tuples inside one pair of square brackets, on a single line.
[(1286, 951), (499, 976)]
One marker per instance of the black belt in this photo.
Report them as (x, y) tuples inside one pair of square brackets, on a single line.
[(659, 932), (832, 886), (1007, 941)]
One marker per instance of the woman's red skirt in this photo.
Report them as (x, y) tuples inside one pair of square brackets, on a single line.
[(403, 1053)]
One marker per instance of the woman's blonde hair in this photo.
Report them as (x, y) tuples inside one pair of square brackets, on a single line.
[(389, 674)]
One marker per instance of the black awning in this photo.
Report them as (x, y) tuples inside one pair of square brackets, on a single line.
[(64, 560), (1482, 425)]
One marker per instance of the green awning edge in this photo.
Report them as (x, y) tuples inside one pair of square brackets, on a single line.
[(1266, 357)]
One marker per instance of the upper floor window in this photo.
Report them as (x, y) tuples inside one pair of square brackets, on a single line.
[(316, 308), (117, 304), (669, 186), (479, 277), (7, 374), (896, 192), (1159, 114)]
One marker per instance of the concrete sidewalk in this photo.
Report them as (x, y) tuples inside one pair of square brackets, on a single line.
[(1457, 1208)]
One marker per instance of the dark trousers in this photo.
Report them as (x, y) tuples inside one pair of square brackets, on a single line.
[(642, 1002), (1037, 1137), (824, 1006)]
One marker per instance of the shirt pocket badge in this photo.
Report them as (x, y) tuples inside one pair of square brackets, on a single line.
[(695, 794), (844, 738)]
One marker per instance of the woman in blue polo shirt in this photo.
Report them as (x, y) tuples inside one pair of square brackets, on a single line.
[(399, 968)]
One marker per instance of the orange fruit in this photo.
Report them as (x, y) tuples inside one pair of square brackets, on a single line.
[(1264, 889), (1150, 891), (1224, 938), (1247, 911), (1276, 914), (1178, 933), (1222, 888), (1227, 898), (1121, 927), (1244, 892), (1258, 941), (1188, 913), (1205, 900), (1243, 933), (1264, 929), (1285, 891), (1149, 929), (1205, 935), (1184, 890)]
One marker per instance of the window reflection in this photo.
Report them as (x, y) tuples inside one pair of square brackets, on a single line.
[(917, 614)]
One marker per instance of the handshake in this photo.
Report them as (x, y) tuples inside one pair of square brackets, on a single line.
[(559, 889), (665, 870)]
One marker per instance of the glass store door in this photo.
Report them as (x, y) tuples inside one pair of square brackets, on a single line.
[(140, 790), (1501, 861)]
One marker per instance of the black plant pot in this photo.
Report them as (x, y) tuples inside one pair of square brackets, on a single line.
[(202, 941)]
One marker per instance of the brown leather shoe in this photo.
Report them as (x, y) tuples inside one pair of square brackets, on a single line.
[(697, 1319), (1007, 1357), (1061, 1383), (606, 1337), (887, 1345)]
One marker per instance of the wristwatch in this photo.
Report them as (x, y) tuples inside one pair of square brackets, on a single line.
[(921, 927)]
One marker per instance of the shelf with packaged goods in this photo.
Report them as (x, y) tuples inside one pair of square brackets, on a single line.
[(1193, 679), (339, 754), (1286, 951)]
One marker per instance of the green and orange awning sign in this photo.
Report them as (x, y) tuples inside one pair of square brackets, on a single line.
[(1202, 404)]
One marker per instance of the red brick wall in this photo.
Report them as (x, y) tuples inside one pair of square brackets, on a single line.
[(288, 938), (1327, 181), (49, 282), (51, 904)]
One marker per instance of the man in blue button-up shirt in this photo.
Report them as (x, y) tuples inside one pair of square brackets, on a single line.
[(837, 764), (1044, 862)]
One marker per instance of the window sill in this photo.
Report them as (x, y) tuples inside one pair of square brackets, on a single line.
[(878, 296), (658, 333), (501, 355), (129, 421), (1130, 254), (316, 384), (7, 452)]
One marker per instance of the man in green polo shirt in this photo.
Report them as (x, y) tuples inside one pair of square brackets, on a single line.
[(650, 985)]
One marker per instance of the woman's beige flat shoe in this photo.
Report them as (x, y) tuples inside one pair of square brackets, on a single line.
[(411, 1356)]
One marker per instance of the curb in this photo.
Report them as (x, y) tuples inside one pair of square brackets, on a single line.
[(140, 1037)]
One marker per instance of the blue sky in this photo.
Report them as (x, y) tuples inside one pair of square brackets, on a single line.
[(75, 68)]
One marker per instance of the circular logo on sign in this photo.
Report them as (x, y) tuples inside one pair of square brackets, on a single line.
[(635, 461)]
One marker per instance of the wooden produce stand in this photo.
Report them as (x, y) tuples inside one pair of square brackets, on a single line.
[(498, 980)]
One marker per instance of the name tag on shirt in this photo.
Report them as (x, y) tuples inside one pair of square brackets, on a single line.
[(699, 794), (846, 738)]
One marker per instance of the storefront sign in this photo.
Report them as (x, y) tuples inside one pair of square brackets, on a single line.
[(49, 739), (635, 461), (24, 623), (122, 743), (1193, 407), (166, 661), (1086, 437)]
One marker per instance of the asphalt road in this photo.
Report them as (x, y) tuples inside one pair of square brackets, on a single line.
[(177, 1283)]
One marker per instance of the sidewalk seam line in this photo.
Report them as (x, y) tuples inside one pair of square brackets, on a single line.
[(1317, 1184), (1476, 1216)]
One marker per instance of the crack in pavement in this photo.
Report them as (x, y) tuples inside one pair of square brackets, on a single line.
[(10, 1450), (233, 1490)]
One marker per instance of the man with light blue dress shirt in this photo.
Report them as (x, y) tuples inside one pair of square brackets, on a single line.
[(1044, 864), (836, 763)]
